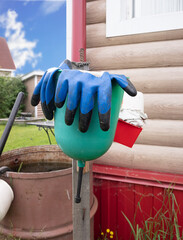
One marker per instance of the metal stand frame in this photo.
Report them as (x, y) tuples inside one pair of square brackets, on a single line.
[(81, 211)]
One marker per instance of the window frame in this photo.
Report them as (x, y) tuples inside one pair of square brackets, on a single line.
[(144, 24)]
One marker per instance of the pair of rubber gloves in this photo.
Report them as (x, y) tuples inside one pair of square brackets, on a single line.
[(80, 88)]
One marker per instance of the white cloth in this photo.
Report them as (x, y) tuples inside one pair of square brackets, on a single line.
[(133, 117), (132, 110)]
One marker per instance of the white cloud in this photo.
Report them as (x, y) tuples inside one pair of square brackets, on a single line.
[(21, 49), (51, 6), (48, 6)]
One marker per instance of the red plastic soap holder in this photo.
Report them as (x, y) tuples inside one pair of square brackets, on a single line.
[(126, 133)]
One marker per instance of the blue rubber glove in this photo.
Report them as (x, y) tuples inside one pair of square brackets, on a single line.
[(48, 81), (81, 88)]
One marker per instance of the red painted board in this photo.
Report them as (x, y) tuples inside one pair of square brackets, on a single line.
[(97, 222), (125, 208), (135, 196)]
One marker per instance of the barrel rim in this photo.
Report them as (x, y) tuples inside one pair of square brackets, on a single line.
[(8, 157)]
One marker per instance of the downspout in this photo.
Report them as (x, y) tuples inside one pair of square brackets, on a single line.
[(79, 30)]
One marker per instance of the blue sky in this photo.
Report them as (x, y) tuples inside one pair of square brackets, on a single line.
[(35, 32)]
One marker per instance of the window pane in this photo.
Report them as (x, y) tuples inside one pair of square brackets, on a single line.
[(127, 9), (156, 7), (127, 17)]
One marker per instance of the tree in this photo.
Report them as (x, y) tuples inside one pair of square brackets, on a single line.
[(10, 87)]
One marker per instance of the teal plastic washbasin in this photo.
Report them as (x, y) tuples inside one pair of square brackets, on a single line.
[(93, 143)]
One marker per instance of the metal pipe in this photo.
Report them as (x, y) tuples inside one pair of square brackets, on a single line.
[(10, 121), (79, 31), (79, 54)]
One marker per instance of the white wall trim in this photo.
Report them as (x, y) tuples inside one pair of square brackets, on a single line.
[(6, 70), (69, 30), (32, 74), (10, 71)]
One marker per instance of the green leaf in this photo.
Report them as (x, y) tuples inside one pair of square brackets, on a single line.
[(133, 230)]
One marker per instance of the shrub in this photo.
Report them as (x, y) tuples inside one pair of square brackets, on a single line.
[(10, 87)]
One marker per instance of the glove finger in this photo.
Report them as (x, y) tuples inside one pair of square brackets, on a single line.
[(36, 94), (125, 83), (84, 121), (86, 108), (69, 116), (50, 89), (104, 103), (61, 91), (48, 114), (73, 99), (104, 119)]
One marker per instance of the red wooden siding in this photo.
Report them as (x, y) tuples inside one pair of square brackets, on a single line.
[(121, 190)]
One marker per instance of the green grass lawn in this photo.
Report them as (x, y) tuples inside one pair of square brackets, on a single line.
[(25, 136)]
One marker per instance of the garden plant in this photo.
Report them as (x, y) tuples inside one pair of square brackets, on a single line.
[(163, 225)]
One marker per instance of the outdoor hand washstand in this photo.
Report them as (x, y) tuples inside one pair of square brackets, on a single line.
[(85, 106)]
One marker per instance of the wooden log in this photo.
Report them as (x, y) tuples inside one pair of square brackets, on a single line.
[(96, 36), (162, 133), (155, 80), (164, 106), (158, 158), (95, 12), (145, 157), (153, 54)]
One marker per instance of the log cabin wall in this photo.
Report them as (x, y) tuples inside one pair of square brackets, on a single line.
[(154, 63)]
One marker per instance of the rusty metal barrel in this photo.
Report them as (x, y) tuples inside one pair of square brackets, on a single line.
[(42, 185)]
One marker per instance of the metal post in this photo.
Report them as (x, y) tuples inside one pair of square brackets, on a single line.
[(81, 211), (11, 121)]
